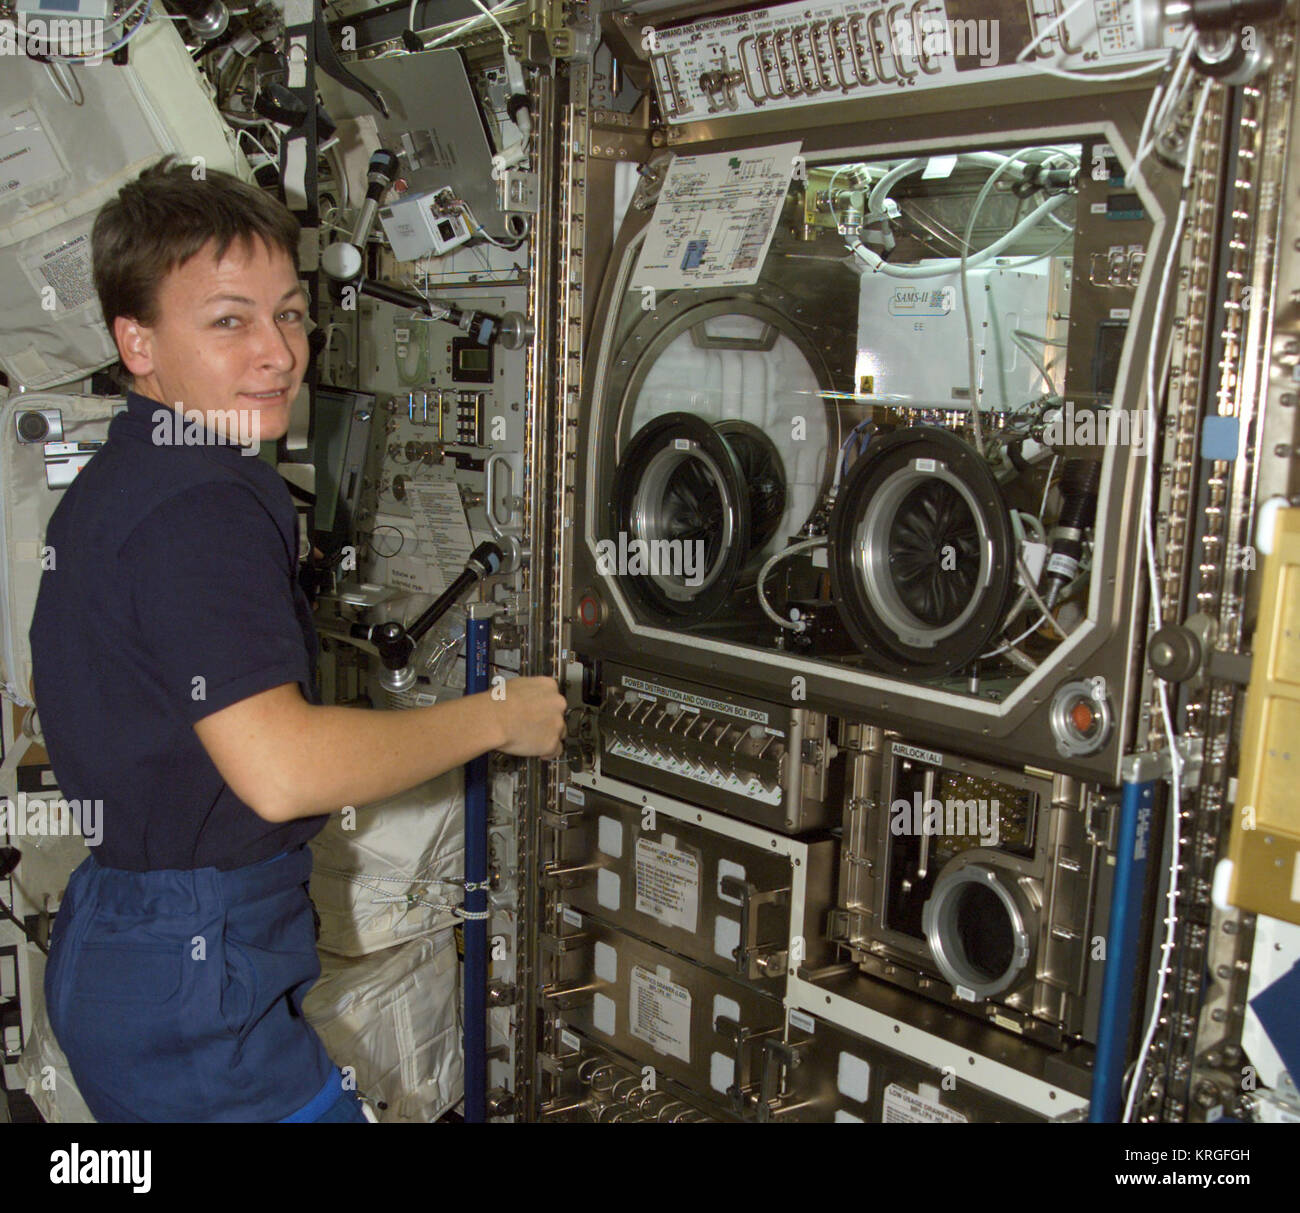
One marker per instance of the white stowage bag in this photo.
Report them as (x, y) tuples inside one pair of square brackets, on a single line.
[(69, 156), (378, 884), (42, 1068), (27, 502), (392, 1017)]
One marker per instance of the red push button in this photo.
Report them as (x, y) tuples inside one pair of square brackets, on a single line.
[(1082, 716)]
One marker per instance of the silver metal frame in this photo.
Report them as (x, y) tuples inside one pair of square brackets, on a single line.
[(1015, 729)]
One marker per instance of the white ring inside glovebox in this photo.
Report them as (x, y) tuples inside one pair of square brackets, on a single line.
[(774, 389)]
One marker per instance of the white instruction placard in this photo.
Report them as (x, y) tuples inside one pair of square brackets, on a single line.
[(667, 884), (659, 1012), (27, 156), (440, 522), (63, 273), (410, 573), (715, 218), (906, 1107)]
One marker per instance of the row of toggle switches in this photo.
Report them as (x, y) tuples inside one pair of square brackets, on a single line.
[(697, 744), (820, 60), (457, 415)]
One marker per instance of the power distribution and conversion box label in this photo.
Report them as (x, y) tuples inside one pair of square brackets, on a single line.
[(667, 884), (652, 690), (906, 1107), (659, 1012)]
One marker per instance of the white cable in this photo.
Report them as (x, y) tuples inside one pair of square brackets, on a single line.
[(126, 15), (917, 273), (509, 245), (1000, 163), (1048, 617), (487, 12), (62, 75), (1047, 488), (1164, 104), (1024, 516), (1023, 347), (1053, 70), (971, 369), (464, 26), (1018, 519), (1148, 535), (875, 204), (1049, 27), (1011, 644), (793, 550), (244, 133), (1040, 339), (1016, 608), (965, 265), (948, 265), (1113, 77), (117, 46)]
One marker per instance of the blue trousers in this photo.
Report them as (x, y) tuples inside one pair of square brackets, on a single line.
[(177, 995)]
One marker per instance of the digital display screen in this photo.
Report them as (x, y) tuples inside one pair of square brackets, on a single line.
[(470, 362)]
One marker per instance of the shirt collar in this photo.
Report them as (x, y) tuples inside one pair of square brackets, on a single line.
[(162, 425)]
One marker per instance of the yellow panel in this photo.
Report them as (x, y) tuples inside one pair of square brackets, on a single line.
[(1287, 656), (1265, 842), (1276, 802)]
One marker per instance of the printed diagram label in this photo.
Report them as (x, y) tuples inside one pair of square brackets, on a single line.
[(905, 1107), (659, 1012), (667, 884)]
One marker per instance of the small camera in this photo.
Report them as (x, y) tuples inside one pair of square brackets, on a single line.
[(39, 425)]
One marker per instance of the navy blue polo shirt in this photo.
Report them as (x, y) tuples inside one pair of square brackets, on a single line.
[(174, 593)]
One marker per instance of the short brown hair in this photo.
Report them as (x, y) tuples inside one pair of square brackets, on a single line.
[(163, 218)]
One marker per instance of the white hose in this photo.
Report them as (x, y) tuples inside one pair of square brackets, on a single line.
[(880, 191), (949, 265), (793, 550)]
